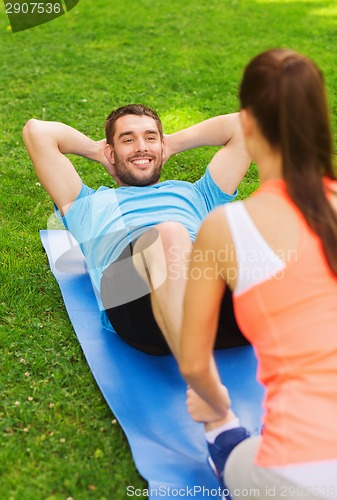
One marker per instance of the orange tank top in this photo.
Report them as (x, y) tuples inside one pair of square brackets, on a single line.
[(291, 320)]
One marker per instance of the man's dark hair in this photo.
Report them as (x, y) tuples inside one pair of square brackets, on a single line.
[(130, 109)]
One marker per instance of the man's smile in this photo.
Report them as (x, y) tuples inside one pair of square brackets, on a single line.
[(141, 162)]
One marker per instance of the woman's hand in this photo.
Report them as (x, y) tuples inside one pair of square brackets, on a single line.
[(201, 411)]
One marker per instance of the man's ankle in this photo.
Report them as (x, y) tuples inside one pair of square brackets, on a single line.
[(210, 426)]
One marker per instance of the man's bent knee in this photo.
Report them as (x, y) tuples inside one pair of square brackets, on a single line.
[(156, 250), (173, 233), (149, 258), (176, 241)]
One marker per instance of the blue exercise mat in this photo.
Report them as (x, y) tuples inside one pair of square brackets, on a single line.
[(146, 393)]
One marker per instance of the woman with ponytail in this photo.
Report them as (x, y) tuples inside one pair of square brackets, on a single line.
[(281, 246)]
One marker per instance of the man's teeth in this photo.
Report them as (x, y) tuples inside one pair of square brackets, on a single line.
[(141, 162)]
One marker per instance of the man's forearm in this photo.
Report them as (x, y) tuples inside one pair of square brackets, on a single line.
[(217, 131), (47, 144), (65, 138)]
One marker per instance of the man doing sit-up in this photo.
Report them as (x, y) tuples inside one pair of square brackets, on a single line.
[(137, 238)]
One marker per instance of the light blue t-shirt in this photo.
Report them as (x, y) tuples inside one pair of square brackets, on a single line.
[(106, 220)]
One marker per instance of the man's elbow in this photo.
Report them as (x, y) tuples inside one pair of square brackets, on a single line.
[(31, 130)]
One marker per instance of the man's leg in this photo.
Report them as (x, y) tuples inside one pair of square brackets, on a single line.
[(143, 294), (127, 302), (161, 256)]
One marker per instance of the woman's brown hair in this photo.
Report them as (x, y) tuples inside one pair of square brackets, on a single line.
[(286, 94)]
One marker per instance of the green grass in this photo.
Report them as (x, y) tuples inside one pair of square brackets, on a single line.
[(58, 438)]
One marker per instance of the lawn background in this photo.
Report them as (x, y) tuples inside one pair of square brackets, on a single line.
[(58, 439)]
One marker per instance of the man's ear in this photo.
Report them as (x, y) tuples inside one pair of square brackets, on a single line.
[(109, 153), (110, 164), (165, 155), (246, 122)]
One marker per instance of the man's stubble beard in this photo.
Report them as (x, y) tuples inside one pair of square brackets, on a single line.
[(128, 178)]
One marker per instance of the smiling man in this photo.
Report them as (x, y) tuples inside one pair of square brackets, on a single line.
[(137, 238), (134, 146)]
